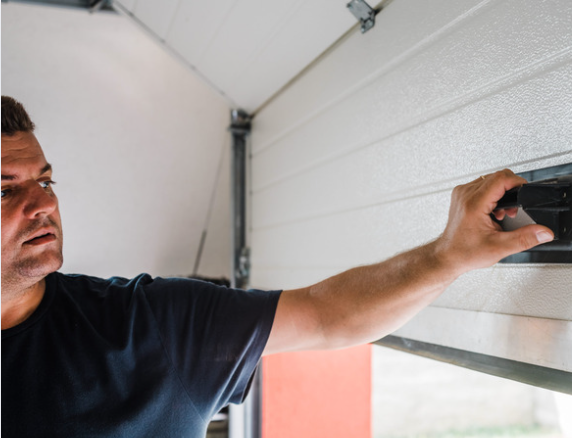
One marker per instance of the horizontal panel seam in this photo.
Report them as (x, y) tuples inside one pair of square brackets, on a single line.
[(396, 196), (558, 320), (391, 65), (543, 66), (341, 268)]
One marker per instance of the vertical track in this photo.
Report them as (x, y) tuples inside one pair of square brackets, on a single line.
[(245, 421)]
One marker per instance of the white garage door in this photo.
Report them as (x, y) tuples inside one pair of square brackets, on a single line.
[(355, 161)]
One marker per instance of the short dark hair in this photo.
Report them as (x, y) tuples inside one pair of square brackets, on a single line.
[(14, 117)]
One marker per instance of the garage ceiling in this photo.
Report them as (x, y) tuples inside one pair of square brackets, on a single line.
[(246, 49)]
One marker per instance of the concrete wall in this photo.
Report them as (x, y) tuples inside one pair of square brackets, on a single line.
[(138, 143)]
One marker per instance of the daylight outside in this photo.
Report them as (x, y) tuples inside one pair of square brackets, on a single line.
[(416, 397)]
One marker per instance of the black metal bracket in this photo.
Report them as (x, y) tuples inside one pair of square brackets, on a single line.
[(240, 125), (91, 5), (549, 203), (364, 13)]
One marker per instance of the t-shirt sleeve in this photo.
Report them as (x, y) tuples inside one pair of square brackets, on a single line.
[(214, 335)]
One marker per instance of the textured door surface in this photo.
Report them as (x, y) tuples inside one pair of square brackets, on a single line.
[(355, 161)]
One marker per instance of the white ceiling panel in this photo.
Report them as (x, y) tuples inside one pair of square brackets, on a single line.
[(246, 49), (195, 25), (128, 4), (250, 25), (292, 47), (156, 15)]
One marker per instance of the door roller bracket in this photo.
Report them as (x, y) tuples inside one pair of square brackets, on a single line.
[(364, 13), (548, 202)]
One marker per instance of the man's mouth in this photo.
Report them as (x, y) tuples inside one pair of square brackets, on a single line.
[(41, 239)]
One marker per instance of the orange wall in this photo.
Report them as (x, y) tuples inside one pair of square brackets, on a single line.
[(317, 394)]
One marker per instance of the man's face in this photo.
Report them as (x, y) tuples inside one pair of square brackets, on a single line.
[(31, 224)]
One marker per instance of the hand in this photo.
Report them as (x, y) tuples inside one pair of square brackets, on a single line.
[(472, 239)]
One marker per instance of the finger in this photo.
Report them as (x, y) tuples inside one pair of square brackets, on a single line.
[(500, 214), (524, 238), (506, 179), (511, 212), (487, 176), (494, 187)]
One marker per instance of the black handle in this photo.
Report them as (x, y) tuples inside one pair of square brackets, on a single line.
[(548, 194)]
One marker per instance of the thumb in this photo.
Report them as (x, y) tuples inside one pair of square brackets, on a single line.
[(525, 238)]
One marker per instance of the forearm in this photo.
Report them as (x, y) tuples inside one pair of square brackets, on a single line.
[(366, 303)]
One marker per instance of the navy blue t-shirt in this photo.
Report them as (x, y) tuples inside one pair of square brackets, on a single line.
[(131, 358)]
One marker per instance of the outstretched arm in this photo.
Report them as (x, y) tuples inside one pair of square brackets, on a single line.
[(369, 302)]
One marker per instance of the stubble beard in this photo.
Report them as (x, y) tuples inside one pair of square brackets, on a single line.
[(33, 264)]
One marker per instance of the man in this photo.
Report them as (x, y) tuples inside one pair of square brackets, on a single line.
[(83, 356)]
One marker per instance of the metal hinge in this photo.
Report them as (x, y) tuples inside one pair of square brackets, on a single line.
[(364, 13), (243, 267)]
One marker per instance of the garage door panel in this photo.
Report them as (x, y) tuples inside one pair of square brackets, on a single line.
[(355, 161), (355, 237), (523, 339), (331, 244), (423, 79), (401, 30), (493, 134), (319, 194), (494, 122), (515, 290), (479, 291), (290, 277)]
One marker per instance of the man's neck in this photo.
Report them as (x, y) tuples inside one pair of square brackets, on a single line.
[(18, 305)]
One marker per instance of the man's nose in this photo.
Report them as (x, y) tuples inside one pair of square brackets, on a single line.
[(40, 202)]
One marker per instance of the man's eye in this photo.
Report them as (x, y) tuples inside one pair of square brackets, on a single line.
[(47, 184), (4, 192)]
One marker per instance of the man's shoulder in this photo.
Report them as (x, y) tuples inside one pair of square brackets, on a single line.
[(83, 280), (142, 283), (157, 291), (81, 287)]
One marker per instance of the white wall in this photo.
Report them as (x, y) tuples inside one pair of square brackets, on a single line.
[(135, 138)]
